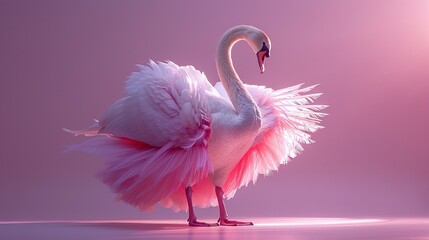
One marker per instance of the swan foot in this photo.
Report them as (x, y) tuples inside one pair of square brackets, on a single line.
[(227, 222), (223, 219), (192, 220), (195, 223)]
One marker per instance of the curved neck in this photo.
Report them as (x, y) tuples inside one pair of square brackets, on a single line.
[(237, 93)]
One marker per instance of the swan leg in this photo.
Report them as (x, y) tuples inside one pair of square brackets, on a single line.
[(192, 217), (223, 218)]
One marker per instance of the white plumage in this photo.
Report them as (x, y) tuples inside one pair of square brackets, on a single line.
[(174, 131)]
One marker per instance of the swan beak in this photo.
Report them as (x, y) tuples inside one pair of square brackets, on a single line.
[(261, 55)]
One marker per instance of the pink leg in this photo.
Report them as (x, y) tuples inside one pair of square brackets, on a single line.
[(223, 219), (192, 217)]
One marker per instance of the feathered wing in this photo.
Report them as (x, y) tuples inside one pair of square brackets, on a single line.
[(288, 118), (165, 104), (155, 138)]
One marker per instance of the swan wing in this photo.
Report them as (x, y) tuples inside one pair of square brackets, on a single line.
[(288, 119), (154, 139), (164, 104)]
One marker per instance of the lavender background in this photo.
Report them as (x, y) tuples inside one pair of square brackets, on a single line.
[(62, 63)]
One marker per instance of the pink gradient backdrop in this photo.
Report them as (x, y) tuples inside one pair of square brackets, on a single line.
[(62, 63)]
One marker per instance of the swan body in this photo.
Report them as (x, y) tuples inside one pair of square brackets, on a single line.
[(177, 140)]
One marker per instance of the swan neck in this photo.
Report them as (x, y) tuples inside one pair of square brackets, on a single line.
[(238, 95)]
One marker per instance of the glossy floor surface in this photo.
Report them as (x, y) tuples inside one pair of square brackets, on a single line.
[(264, 228)]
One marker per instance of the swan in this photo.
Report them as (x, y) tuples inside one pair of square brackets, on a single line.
[(177, 140)]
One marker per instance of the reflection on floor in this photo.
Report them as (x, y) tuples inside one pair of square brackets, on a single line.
[(264, 228)]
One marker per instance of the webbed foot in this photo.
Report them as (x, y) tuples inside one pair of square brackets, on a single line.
[(227, 222), (195, 223)]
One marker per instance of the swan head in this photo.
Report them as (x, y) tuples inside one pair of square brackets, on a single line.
[(261, 44)]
